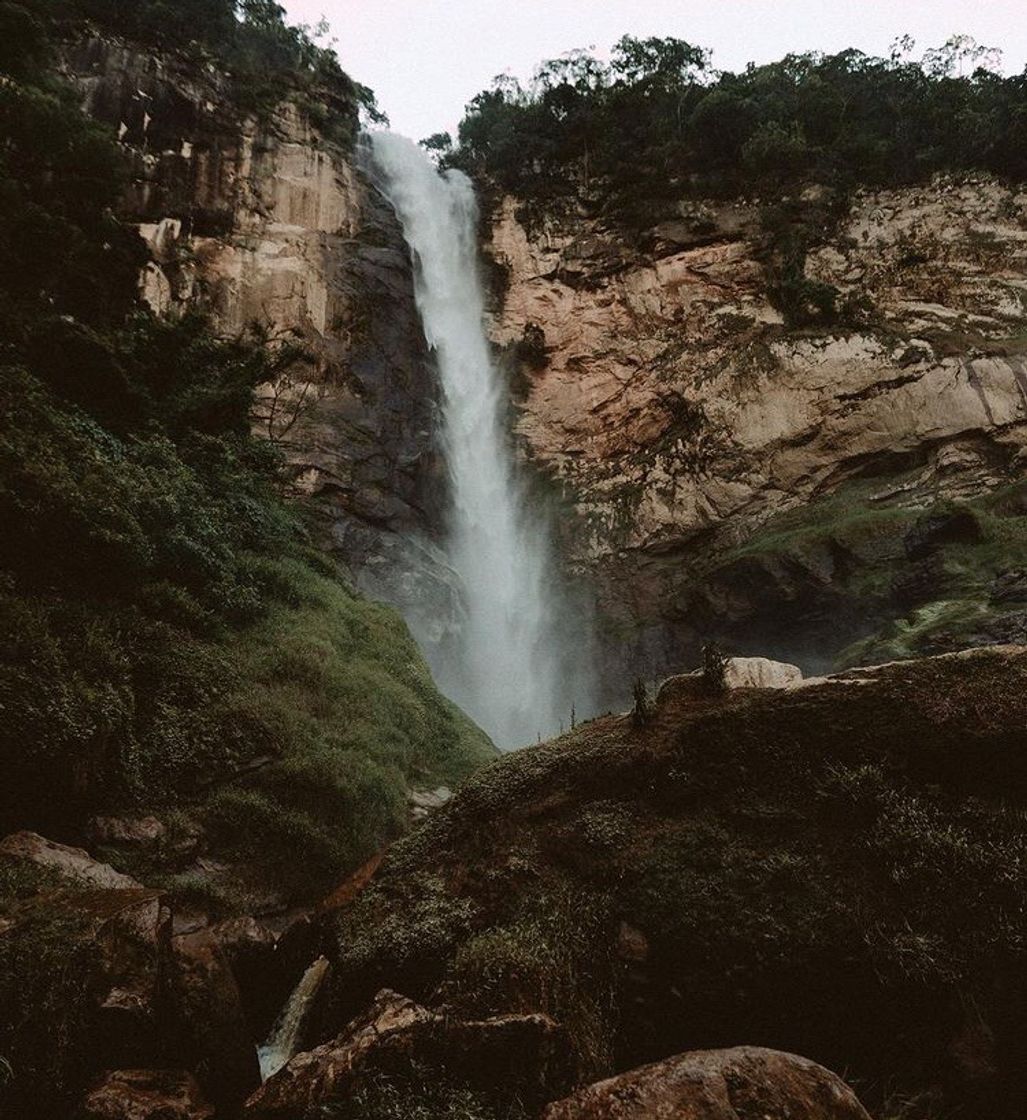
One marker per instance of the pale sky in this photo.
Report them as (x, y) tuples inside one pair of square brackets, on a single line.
[(425, 59)]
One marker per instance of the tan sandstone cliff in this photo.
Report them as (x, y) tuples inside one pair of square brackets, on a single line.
[(267, 223), (708, 448)]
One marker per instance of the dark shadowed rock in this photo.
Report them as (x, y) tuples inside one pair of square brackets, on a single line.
[(215, 1035), (264, 975), (518, 1053), (146, 1094), (933, 530), (744, 1083)]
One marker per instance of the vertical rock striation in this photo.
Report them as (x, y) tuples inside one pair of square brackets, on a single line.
[(265, 223), (695, 428)]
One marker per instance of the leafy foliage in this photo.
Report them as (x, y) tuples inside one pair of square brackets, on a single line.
[(658, 123)]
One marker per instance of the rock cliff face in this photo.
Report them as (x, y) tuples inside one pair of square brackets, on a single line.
[(734, 477), (728, 475), (267, 223)]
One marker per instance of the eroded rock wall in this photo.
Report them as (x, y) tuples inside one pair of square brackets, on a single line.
[(683, 417), (266, 222)]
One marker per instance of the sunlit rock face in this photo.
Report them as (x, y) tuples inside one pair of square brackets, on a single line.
[(268, 223), (683, 416)]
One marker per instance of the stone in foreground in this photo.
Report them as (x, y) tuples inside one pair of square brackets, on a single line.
[(737, 1084), (146, 1094), (509, 1051), (73, 864)]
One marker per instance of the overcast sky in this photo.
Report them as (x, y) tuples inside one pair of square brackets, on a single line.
[(425, 59)]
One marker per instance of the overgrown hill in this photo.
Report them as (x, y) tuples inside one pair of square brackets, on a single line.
[(171, 640), (836, 869)]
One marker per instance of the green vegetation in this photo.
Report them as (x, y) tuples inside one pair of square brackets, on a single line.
[(168, 635), (924, 578), (47, 1010), (658, 124), (266, 58), (421, 1096)]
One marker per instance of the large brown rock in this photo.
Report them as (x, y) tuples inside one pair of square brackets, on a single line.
[(75, 865), (744, 1083), (683, 414), (212, 1026), (512, 1051), (146, 1094)]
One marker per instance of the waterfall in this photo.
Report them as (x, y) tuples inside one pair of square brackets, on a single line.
[(281, 1042), (516, 662)]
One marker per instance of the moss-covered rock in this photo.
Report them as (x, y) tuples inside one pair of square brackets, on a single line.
[(834, 869)]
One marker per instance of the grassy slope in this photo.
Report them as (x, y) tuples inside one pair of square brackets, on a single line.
[(849, 549), (837, 871)]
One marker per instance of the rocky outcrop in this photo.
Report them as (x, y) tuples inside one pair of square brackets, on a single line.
[(717, 1085), (511, 1053), (266, 223), (825, 868), (146, 1094), (74, 865), (732, 475), (207, 1005)]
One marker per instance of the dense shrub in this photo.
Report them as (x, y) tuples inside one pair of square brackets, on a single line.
[(658, 123), (266, 58)]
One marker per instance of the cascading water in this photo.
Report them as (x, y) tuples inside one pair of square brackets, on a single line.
[(513, 665), (281, 1043)]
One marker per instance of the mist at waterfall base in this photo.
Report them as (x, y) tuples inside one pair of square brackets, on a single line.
[(519, 656)]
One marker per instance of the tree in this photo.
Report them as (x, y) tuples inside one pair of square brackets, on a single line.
[(659, 62)]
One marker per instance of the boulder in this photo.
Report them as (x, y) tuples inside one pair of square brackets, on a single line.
[(211, 1024), (424, 801), (739, 672), (513, 1052), (73, 864), (760, 672), (146, 1094), (261, 973), (143, 833), (743, 1083)]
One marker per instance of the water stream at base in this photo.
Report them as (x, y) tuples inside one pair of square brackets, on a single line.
[(282, 1041)]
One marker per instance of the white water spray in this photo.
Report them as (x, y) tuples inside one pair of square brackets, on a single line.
[(281, 1042), (512, 667)]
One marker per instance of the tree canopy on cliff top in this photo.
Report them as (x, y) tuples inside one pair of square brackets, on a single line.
[(266, 57), (659, 122)]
